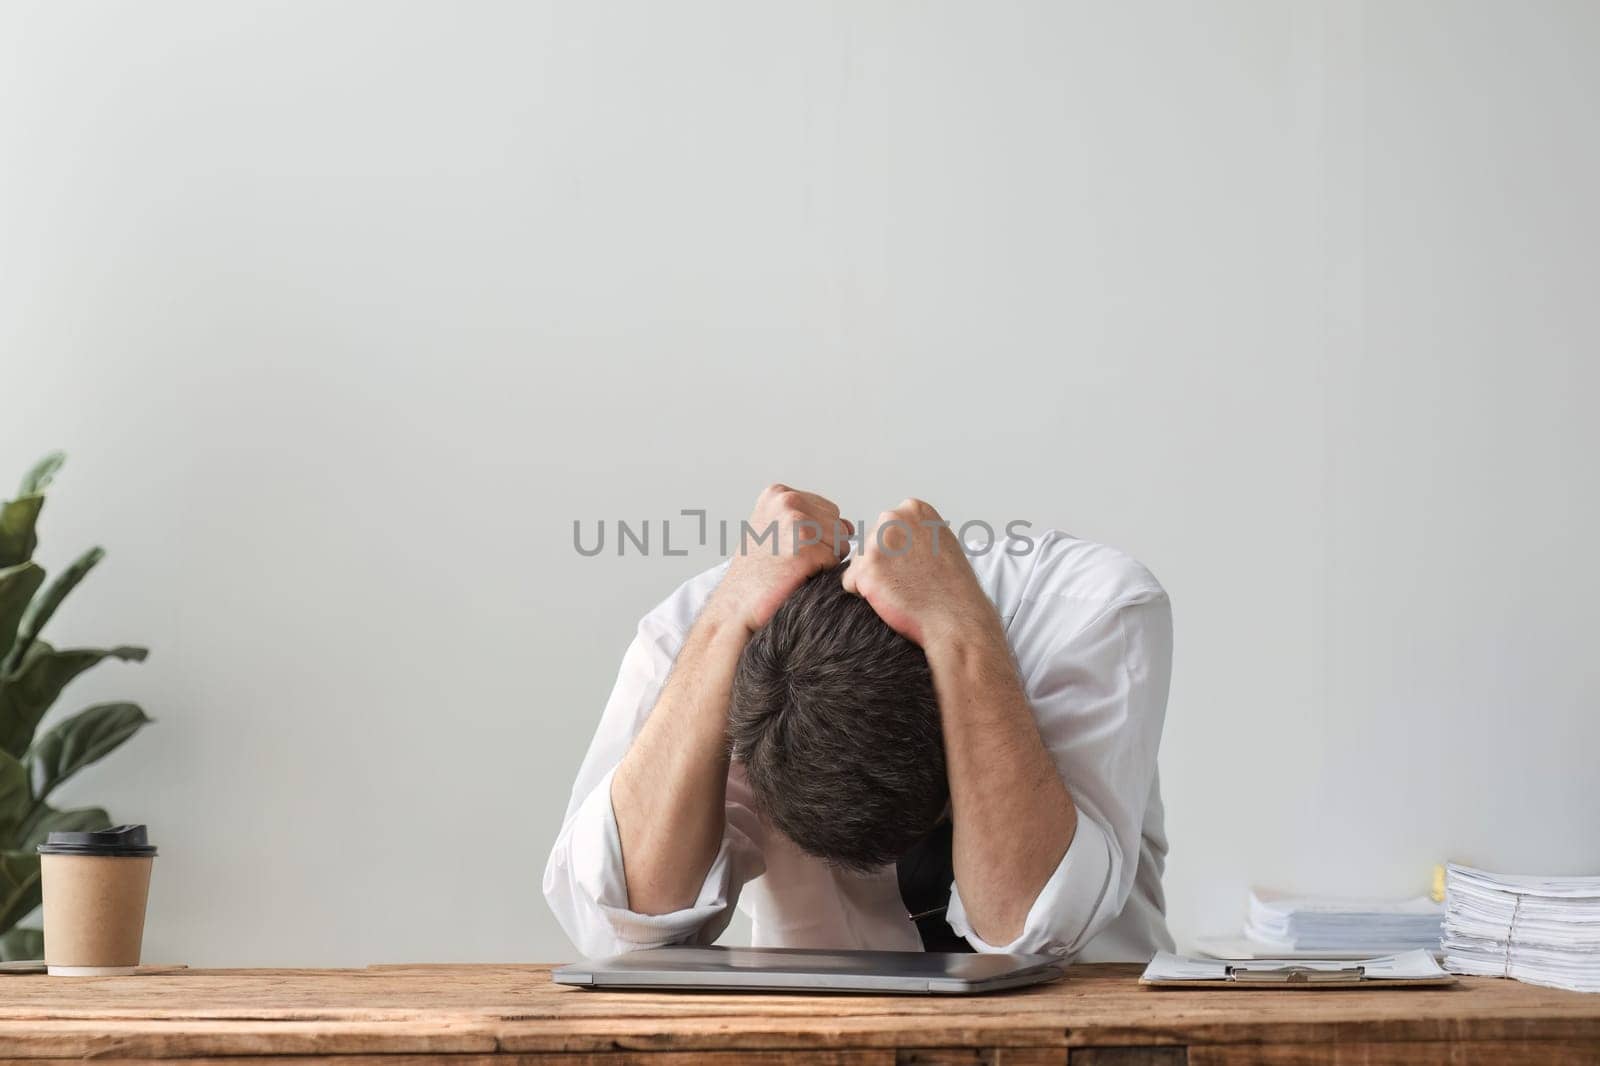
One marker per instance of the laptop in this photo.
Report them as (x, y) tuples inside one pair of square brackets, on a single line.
[(717, 969)]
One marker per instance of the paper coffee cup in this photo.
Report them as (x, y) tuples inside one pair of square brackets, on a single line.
[(95, 889)]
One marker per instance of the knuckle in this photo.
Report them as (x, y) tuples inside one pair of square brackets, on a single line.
[(790, 499), (777, 488)]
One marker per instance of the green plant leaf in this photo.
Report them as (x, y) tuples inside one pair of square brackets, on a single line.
[(19, 886), (27, 693), (17, 586), (15, 800), (17, 519), (75, 742), (45, 820), (35, 481), (41, 610), (21, 944)]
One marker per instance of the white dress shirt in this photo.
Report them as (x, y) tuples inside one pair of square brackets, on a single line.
[(1091, 632)]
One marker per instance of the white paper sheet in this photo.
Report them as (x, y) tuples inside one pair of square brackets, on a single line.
[(1407, 964)]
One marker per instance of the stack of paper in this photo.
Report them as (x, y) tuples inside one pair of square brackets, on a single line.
[(1543, 930), (1309, 923)]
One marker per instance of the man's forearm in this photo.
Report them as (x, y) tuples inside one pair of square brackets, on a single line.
[(1013, 816), (669, 791)]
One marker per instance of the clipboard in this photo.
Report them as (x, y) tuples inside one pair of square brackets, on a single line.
[(1167, 971)]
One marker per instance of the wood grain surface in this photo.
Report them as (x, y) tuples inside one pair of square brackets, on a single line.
[(476, 1011)]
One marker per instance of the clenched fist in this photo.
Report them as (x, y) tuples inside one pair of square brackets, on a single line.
[(914, 573), (810, 536)]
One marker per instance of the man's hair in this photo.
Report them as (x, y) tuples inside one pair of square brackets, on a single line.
[(835, 720)]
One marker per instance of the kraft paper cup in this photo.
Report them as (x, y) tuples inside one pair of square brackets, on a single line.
[(96, 886)]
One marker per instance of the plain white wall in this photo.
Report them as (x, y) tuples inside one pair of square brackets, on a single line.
[(346, 311)]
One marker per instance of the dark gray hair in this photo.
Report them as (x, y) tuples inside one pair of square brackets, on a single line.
[(835, 720)]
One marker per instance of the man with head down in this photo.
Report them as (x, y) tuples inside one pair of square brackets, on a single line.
[(888, 744)]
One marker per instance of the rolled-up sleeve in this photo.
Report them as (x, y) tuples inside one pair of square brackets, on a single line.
[(584, 880), (1099, 698)]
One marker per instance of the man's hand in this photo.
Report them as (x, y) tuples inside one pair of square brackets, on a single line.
[(914, 573), (793, 535)]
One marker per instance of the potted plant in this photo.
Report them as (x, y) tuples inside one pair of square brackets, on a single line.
[(32, 675)]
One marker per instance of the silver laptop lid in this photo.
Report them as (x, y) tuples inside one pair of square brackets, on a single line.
[(809, 970)]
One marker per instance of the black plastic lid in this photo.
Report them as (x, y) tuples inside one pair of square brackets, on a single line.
[(118, 840)]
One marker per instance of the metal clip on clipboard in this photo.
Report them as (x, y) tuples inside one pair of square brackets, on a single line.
[(1294, 975)]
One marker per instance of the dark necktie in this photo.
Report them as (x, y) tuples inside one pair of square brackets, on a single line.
[(926, 873)]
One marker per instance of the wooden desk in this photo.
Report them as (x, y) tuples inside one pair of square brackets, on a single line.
[(1098, 1016)]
